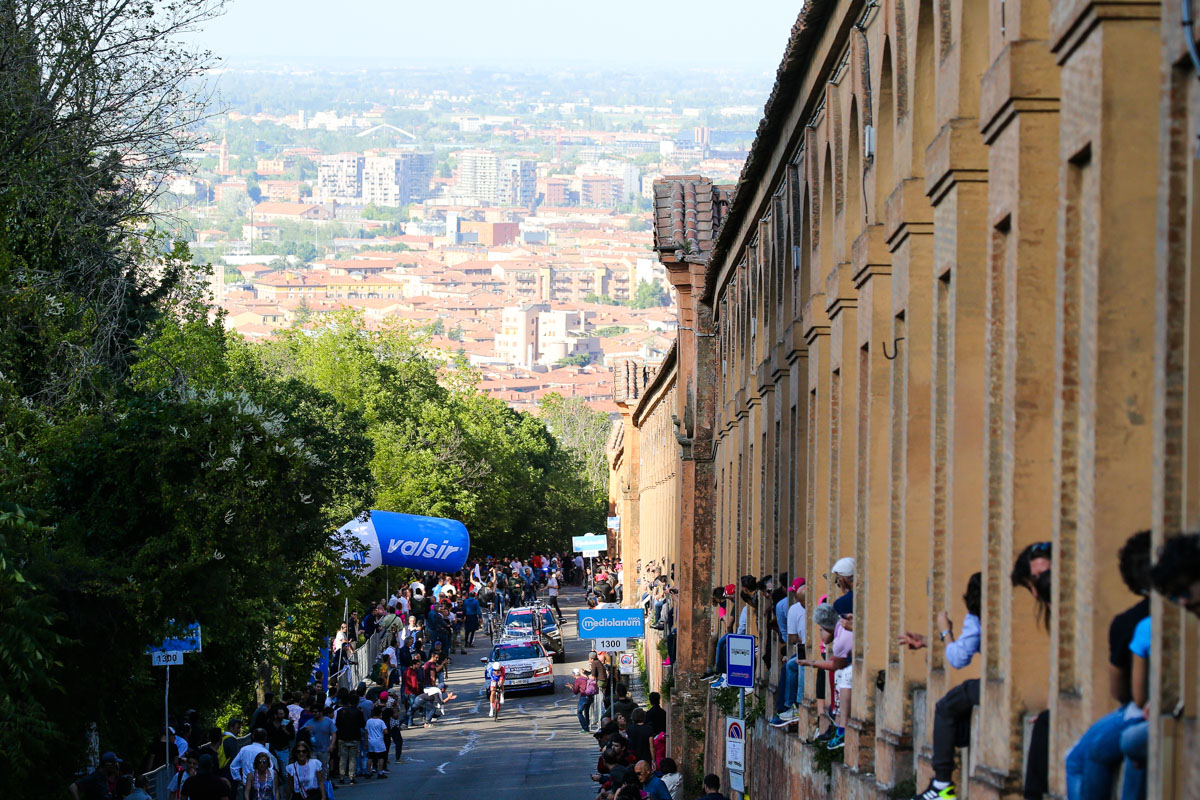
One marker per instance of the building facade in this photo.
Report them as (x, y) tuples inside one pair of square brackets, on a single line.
[(945, 316), (518, 182), (340, 178), (479, 175)]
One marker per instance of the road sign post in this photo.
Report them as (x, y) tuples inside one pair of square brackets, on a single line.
[(609, 645), (610, 626), (168, 654), (739, 661), (739, 673), (626, 663)]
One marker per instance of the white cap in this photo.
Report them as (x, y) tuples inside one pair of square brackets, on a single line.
[(575, 671), (844, 567)]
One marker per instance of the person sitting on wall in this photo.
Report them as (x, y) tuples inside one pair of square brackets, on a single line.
[(952, 714)]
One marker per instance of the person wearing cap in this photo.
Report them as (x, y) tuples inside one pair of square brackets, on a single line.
[(747, 624), (102, 783), (840, 640), (843, 576), (787, 703)]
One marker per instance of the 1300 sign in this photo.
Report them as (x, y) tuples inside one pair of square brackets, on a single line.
[(610, 645)]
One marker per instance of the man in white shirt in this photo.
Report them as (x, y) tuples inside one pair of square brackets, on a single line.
[(243, 763), (792, 690), (394, 600), (552, 591), (579, 567)]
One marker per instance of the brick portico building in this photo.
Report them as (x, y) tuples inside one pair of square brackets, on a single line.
[(948, 311)]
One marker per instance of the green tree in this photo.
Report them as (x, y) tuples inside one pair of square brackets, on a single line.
[(583, 433), (649, 295)]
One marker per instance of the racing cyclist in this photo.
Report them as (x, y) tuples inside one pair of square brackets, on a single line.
[(495, 676)]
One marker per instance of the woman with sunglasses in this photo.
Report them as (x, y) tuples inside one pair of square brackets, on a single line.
[(261, 783), (307, 774)]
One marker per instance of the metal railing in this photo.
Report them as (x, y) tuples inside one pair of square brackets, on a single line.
[(158, 782)]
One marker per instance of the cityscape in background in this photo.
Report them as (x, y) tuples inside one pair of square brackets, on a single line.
[(505, 215)]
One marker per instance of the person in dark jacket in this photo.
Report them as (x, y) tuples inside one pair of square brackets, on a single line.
[(712, 785)]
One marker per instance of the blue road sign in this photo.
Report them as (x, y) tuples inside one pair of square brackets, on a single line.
[(739, 660), (611, 623), (188, 642), (591, 541)]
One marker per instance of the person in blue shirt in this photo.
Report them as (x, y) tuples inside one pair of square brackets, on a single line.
[(952, 715), (651, 783), (1093, 762)]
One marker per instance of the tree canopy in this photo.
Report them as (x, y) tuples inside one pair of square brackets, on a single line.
[(155, 469)]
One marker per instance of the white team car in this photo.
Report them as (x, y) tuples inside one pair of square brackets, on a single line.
[(526, 664)]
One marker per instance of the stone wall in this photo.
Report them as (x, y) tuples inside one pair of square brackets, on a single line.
[(950, 311)]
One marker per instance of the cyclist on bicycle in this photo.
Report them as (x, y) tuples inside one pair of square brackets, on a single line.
[(495, 676)]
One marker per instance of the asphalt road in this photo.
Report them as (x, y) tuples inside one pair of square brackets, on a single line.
[(534, 750)]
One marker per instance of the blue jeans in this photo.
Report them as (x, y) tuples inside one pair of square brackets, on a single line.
[(1093, 762), (282, 755), (719, 664), (792, 691), (1134, 742), (583, 710)]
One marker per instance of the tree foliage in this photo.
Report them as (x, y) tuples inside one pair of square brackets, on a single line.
[(152, 468)]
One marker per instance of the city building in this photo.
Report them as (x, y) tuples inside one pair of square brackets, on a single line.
[(396, 180), (944, 317), (340, 178), (479, 175), (517, 339), (601, 191), (518, 182)]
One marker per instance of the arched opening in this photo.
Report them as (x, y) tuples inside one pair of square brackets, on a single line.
[(885, 137), (854, 179), (924, 102), (802, 269), (825, 242)]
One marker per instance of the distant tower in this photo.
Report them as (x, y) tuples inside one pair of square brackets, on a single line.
[(223, 156)]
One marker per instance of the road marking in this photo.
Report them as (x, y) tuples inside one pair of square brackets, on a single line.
[(535, 730), (470, 745), (552, 735), (442, 767)]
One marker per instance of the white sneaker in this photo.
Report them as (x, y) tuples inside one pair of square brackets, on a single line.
[(788, 716), (491, 712)]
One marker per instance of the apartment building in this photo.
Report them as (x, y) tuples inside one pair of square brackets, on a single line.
[(340, 178), (517, 339), (479, 175), (601, 191), (396, 180), (518, 182)]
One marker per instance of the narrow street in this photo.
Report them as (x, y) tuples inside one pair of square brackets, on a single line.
[(535, 747)]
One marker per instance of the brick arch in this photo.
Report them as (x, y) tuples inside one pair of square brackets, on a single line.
[(899, 37), (924, 92), (826, 214), (834, 137), (853, 175), (883, 165), (802, 275)]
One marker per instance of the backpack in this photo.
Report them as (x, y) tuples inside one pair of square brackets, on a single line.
[(590, 688), (658, 747), (223, 759)]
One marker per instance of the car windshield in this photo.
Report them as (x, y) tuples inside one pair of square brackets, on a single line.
[(547, 618), (523, 619), (516, 652)]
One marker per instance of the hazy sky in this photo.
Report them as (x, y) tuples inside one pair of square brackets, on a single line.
[(623, 33)]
